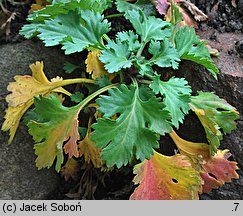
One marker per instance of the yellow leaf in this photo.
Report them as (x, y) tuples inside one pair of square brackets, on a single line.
[(24, 89), (13, 116), (88, 149), (191, 149), (95, 67)]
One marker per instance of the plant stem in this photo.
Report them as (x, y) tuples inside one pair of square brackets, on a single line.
[(145, 82), (92, 96), (106, 37), (71, 81), (114, 15), (149, 76), (141, 49), (121, 77)]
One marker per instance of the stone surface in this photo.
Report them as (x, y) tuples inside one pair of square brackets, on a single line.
[(19, 178), (230, 87)]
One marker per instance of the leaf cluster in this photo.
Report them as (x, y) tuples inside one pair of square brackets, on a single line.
[(124, 125)]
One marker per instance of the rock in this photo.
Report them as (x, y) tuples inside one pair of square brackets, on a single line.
[(230, 87), (19, 178)]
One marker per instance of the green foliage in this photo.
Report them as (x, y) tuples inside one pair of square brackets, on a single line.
[(50, 129), (149, 28), (116, 56), (214, 114), (77, 97), (164, 54), (189, 48), (140, 115), (69, 67), (145, 99), (144, 5), (176, 92), (64, 7), (76, 31)]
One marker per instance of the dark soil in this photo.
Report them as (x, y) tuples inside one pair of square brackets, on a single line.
[(223, 14), (223, 17)]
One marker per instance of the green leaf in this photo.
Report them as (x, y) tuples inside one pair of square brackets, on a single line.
[(214, 114), (116, 56), (75, 31), (64, 7), (176, 92), (140, 115), (30, 30), (130, 38), (69, 67), (189, 48), (77, 97), (184, 40), (103, 81), (144, 5), (198, 55), (144, 66), (53, 125), (164, 54), (150, 28)]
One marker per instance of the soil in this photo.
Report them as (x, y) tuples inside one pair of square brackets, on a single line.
[(223, 17)]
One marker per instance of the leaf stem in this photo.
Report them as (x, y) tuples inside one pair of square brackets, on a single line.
[(143, 44), (121, 77), (114, 15), (145, 82), (71, 81), (149, 76), (106, 37), (92, 96)]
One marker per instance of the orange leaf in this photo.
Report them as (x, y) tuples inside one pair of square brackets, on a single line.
[(218, 170), (70, 169), (39, 5), (166, 178), (88, 149)]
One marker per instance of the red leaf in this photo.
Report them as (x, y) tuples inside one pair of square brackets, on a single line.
[(218, 170), (162, 6), (166, 178)]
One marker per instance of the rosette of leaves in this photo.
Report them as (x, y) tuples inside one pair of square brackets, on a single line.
[(128, 102)]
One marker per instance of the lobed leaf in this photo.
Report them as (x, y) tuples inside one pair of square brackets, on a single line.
[(189, 48), (218, 170), (95, 67), (70, 169), (164, 54), (176, 92), (214, 114), (24, 89), (116, 56), (64, 7), (130, 38), (53, 125), (76, 31), (166, 178), (149, 28), (140, 115), (90, 152), (144, 5)]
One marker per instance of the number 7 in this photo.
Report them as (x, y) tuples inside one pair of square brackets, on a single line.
[(236, 206)]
